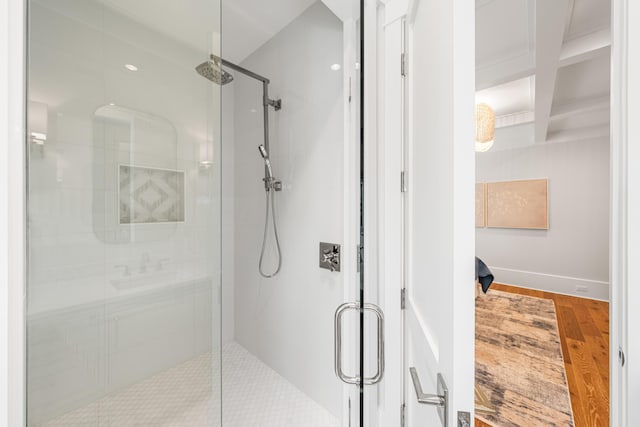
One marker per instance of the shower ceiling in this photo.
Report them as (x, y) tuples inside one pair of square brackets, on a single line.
[(248, 24)]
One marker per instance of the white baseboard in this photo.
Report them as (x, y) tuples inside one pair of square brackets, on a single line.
[(552, 283)]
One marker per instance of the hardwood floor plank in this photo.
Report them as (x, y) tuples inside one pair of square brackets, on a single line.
[(599, 349), (588, 326), (593, 399), (576, 402), (570, 322), (479, 423)]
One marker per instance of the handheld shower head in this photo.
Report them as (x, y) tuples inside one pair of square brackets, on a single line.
[(267, 163), (263, 152)]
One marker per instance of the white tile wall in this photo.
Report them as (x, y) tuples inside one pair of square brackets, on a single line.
[(287, 321)]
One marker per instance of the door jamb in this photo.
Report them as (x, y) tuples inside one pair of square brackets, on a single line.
[(12, 218)]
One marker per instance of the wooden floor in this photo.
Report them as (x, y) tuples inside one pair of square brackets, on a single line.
[(584, 333)]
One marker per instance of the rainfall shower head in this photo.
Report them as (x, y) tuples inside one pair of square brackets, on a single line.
[(212, 70)]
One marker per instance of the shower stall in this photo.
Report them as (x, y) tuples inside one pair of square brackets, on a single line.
[(194, 214)]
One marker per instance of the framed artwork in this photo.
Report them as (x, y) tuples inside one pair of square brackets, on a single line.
[(481, 204), (518, 204)]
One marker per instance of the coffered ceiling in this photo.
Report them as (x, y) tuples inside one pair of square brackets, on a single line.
[(544, 66)]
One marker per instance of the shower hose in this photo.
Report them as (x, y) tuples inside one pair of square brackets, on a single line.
[(270, 200)]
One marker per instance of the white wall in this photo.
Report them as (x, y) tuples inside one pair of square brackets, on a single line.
[(574, 253), (287, 321)]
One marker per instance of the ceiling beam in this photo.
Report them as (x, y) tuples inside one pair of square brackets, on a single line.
[(505, 71), (580, 106), (514, 119), (577, 50), (586, 47), (551, 20), (581, 134)]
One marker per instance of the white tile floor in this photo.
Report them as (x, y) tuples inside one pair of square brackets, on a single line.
[(189, 395)]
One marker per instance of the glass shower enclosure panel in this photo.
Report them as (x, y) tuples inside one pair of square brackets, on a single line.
[(124, 214), (291, 139)]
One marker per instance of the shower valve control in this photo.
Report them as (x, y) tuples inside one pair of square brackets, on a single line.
[(329, 256)]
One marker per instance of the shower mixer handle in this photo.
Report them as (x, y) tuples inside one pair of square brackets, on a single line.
[(330, 256)]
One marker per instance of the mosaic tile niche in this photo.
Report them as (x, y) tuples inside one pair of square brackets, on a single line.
[(149, 195)]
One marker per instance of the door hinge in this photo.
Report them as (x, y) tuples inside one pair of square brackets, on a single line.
[(360, 258), (621, 357), (402, 412), (403, 182), (403, 298), (403, 64)]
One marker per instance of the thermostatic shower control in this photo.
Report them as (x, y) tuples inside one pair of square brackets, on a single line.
[(330, 256)]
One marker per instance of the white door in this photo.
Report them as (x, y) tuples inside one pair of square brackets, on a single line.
[(439, 211)]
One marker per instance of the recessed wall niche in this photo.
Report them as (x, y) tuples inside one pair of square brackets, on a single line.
[(139, 191)]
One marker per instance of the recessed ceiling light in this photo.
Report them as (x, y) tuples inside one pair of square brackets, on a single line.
[(112, 104), (130, 67), (336, 67)]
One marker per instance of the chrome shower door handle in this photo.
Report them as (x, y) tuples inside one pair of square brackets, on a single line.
[(380, 316), (338, 343)]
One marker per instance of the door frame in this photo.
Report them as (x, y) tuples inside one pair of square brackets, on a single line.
[(624, 205), (13, 212), (624, 317)]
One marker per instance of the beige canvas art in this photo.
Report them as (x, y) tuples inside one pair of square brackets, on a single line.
[(518, 204), (481, 205)]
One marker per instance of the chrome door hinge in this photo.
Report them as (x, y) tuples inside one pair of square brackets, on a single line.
[(403, 298), (403, 182), (403, 64), (360, 258), (621, 357), (402, 411)]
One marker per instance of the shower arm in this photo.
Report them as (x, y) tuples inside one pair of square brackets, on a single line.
[(266, 102)]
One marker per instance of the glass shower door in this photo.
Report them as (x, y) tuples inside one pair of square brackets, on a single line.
[(291, 228), (124, 202)]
